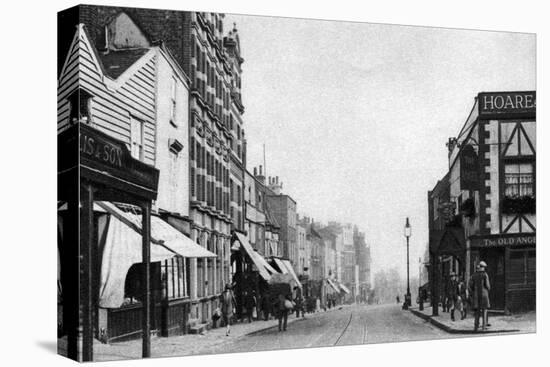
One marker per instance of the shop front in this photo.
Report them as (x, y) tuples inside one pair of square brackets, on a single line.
[(511, 266), (93, 166), (252, 273)]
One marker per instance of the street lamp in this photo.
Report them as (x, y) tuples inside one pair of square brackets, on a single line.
[(407, 235)]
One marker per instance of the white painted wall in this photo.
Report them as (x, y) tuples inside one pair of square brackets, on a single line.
[(173, 190)]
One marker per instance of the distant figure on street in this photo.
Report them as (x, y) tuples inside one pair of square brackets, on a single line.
[(452, 294), (249, 304), (299, 302), (445, 296), (282, 311), (462, 299), (479, 287), (265, 306), (228, 306), (397, 299)]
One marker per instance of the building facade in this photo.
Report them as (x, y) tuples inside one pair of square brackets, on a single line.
[(283, 208), (210, 57), (363, 263), (491, 187)]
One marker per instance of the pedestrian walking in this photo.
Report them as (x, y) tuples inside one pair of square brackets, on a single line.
[(462, 304), (282, 308), (265, 306), (228, 305), (479, 287), (397, 299), (452, 289), (249, 304), (298, 302)]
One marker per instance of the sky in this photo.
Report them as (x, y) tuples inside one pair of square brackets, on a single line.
[(355, 116)]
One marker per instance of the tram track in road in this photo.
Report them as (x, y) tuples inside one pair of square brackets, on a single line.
[(345, 329)]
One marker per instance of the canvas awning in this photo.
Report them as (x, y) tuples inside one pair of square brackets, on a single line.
[(264, 268), (291, 272), (333, 285), (281, 266), (123, 248), (162, 233), (344, 288)]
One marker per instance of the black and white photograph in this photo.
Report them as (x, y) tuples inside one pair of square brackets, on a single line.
[(232, 183)]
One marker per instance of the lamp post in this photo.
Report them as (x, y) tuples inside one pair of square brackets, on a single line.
[(407, 236)]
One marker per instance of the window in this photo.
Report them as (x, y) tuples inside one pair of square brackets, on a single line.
[(80, 107), (173, 102), (136, 132), (518, 180), (522, 267), (175, 278)]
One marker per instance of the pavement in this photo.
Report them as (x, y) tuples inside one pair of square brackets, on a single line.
[(518, 323)]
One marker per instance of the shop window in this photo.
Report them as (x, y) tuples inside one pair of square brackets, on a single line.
[(522, 267), (175, 277), (133, 284)]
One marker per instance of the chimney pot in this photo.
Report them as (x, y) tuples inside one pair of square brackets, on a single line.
[(260, 170), (255, 171)]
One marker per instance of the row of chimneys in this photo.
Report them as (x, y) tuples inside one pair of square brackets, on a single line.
[(272, 182)]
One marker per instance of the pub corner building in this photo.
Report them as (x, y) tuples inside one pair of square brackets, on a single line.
[(484, 208)]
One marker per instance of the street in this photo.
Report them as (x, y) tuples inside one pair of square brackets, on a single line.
[(352, 325)]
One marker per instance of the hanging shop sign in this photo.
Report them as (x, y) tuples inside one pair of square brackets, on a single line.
[(520, 239), (497, 105), (469, 169)]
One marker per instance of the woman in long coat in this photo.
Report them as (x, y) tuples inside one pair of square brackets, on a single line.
[(228, 306), (479, 287)]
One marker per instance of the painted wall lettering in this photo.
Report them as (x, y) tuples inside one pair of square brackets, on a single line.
[(507, 103)]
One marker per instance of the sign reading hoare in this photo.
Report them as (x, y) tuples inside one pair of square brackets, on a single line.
[(507, 104)]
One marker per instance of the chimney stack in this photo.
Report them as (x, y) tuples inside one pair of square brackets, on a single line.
[(260, 177)]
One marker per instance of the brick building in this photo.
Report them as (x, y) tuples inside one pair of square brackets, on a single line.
[(283, 208)]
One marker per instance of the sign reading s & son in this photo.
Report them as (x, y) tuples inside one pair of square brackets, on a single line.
[(526, 239), (507, 104), (99, 149), (111, 158)]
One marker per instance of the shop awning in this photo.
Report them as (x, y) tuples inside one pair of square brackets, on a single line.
[(162, 233), (291, 272), (344, 288), (265, 271), (281, 266), (333, 285), (123, 248)]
